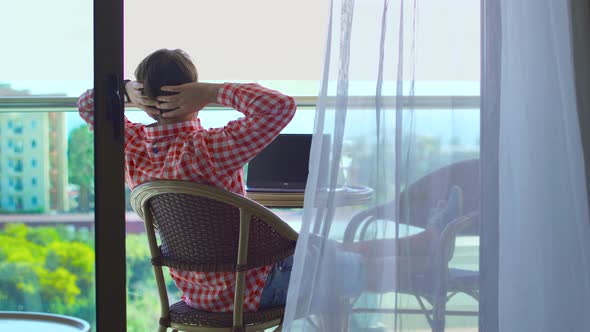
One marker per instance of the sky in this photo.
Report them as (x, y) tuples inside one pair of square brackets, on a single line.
[(48, 47), (233, 39)]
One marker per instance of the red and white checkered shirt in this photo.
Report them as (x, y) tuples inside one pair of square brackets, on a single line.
[(186, 151)]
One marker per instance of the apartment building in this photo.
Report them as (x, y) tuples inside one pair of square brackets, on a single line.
[(33, 166)]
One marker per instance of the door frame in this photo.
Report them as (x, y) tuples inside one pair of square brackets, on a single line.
[(109, 139)]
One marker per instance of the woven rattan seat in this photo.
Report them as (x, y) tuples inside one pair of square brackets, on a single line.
[(182, 313), (426, 192), (206, 229)]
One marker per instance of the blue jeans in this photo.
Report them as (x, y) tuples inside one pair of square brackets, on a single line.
[(350, 284), (277, 284)]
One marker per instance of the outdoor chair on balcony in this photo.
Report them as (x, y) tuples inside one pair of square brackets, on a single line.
[(206, 229), (440, 283)]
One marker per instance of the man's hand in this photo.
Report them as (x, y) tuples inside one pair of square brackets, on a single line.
[(189, 98), (134, 90)]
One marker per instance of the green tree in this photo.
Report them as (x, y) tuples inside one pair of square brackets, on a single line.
[(81, 164), (43, 270), (51, 269)]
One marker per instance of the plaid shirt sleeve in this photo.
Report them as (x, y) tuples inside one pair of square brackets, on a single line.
[(86, 110), (266, 112)]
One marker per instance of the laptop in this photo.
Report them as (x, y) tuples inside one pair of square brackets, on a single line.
[(282, 166)]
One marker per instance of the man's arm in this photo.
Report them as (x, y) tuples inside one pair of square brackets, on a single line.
[(86, 110), (266, 112), (86, 107)]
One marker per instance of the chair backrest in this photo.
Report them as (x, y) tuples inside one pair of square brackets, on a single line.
[(199, 226), (435, 186)]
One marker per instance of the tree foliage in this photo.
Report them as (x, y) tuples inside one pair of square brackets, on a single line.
[(81, 163), (42, 270), (51, 269)]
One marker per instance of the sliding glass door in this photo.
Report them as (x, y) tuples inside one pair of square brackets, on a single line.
[(54, 195)]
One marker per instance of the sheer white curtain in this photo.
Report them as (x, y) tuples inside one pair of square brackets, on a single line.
[(544, 271), (394, 108), (391, 139)]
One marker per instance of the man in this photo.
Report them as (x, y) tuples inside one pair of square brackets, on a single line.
[(176, 147)]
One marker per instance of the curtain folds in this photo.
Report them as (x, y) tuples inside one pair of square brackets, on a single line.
[(425, 212), (580, 23), (544, 272), (368, 244)]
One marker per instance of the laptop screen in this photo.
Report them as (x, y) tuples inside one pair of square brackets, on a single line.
[(282, 166)]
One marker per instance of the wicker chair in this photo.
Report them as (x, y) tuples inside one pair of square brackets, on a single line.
[(206, 229), (441, 282)]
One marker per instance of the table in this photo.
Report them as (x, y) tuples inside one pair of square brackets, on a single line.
[(37, 321), (343, 196), (277, 199)]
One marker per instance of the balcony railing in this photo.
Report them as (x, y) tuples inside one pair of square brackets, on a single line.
[(416, 102), (140, 288)]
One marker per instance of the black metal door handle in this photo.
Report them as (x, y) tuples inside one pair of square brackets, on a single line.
[(114, 113)]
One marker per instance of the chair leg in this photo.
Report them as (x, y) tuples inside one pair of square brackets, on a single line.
[(424, 309), (438, 314)]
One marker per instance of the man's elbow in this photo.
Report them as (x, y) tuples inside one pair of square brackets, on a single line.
[(84, 100), (289, 106)]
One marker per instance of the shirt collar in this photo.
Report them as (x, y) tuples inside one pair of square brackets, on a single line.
[(171, 129)]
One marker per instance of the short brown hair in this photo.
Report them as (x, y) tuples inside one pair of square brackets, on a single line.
[(165, 67)]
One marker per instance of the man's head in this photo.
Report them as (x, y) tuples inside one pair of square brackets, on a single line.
[(165, 67)]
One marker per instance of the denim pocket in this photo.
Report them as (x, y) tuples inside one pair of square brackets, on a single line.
[(286, 265), (280, 298)]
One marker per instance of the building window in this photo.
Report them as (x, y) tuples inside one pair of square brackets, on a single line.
[(19, 146), (34, 124), (33, 162), (18, 167), (10, 143), (33, 143), (10, 124), (10, 201), (34, 181), (34, 201), (18, 203), (18, 184), (18, 127)]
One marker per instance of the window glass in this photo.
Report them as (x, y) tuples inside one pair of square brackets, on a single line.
[(18, 166), (18, 126), (262, 41), (46, 252), (277, 44)]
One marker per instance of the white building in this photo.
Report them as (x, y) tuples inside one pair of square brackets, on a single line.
[(33, 162)]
